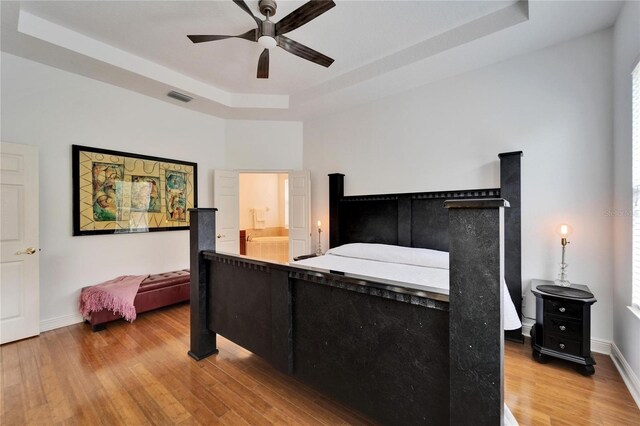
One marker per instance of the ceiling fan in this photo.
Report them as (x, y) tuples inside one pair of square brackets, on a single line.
[(270, 34)]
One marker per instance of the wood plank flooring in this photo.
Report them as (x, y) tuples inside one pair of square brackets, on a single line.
[(140, 374)]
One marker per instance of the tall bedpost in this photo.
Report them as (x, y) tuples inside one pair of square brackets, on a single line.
[(336, 192), (476, 339), (511, 189), (201, 237)]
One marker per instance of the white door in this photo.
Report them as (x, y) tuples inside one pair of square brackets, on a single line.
[(19, 264), (299, 214), (226, 200)]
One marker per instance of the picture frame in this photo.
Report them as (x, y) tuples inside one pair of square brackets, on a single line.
[(117, 192)]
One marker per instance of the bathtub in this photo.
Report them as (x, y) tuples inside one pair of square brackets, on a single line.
[(269, 248)]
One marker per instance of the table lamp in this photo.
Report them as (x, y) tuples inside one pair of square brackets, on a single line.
[(564, 230)]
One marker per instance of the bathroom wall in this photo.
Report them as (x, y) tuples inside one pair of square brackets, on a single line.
[(261, 190)]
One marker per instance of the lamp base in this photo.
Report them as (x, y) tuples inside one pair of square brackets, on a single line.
[(562, 280), (319, 249)]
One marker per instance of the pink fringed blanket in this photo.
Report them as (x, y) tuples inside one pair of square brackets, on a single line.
[(116, 295)]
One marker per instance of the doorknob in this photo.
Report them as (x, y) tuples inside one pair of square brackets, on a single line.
[(28, 250), (221, 236)]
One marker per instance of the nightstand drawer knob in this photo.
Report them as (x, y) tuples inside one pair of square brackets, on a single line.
[(562, 346), (561, 309), (562, 328)]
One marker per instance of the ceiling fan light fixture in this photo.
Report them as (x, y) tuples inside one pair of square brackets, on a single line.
[(269, 35), (267, 42)]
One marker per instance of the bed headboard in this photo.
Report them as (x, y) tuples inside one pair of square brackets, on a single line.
[(420, 220)]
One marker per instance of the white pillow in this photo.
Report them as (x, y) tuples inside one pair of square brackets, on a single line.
[(394, 254)]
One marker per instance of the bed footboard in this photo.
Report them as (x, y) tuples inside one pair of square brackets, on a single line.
[(398, 355), (249, 302)]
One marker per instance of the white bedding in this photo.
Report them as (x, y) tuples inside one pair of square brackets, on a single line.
[(401, 265)]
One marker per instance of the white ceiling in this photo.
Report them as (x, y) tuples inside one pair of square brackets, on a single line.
[(380, 47)]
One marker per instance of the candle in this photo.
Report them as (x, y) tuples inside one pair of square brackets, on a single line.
[(319, 224)]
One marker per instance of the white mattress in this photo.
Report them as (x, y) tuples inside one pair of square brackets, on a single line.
[(435, 280)]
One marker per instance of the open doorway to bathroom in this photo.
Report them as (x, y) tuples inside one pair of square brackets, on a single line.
[(264, 215)]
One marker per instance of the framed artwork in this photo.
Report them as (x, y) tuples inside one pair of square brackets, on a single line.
[(118, 192)]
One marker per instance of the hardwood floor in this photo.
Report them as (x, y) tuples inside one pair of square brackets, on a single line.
[(555, 394), (139, 373)]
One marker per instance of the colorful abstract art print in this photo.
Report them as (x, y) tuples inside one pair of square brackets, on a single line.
[(118, 192), (176, 190), (106, 195), (145, 194)]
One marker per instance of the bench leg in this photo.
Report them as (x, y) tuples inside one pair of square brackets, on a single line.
[(98, 327)]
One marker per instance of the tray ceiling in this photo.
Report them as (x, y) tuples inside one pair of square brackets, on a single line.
[(380, 47)]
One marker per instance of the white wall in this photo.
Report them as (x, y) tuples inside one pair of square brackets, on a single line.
[(626, 44), (261, 190), (54, 109), (259, 145), (554, 104)]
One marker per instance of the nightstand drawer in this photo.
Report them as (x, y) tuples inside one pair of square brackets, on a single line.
[(563, 308), (560, 344), (562, 327)]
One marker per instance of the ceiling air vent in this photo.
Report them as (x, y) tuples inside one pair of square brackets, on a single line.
[(179, 96)]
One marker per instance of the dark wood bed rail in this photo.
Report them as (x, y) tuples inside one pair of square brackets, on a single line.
[(401, 357)]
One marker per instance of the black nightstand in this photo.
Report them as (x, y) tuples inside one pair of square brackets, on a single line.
[(563, 324)]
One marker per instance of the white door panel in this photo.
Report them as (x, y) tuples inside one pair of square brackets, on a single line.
[(226, 200), (299, 214), (19, 261)]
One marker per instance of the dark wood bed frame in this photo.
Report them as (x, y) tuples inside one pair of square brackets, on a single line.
[(399, 355), (419, 220)]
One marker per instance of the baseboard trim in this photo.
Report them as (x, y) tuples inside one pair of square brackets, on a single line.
[(527, 325), (59, 322), (601, 346), (597, 345), (629, 377)]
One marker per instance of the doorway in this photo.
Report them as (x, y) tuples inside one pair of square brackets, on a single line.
[(287, 209), (264, 215), (20, 255)]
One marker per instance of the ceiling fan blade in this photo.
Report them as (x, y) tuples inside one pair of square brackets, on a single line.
[(263, 64), (250, 35), (244, 7), (203, 38), (303, 51), (302, 15)]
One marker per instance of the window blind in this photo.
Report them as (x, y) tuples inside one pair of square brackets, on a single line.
[(636, 185)]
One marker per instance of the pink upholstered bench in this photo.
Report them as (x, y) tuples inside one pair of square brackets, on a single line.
[(155, 292)]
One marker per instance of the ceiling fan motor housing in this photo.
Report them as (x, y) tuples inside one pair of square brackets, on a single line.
[(268, 28), (267, 7)]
